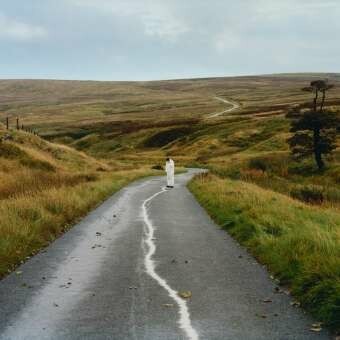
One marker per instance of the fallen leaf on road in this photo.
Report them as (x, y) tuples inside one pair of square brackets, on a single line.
[(295, 304), (97, 246), (18, 272), (263, 316), (316, 329), (168, 305), (185, 294), (267, 300)]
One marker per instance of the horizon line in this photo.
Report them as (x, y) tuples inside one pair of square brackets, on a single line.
[(175, 78)]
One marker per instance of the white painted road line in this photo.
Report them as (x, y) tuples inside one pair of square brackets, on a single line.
[(184, 320)]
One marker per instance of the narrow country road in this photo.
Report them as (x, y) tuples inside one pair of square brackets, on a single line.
[(117, 274), (234, 106)]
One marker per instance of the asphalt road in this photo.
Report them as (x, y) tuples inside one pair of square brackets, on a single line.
[(117, 274)]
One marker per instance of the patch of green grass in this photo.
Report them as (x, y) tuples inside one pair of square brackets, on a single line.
[(300, 244)]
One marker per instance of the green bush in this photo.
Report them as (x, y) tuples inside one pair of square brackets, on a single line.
[(308, 193), (302, 169), (258, 164), (157, 167)]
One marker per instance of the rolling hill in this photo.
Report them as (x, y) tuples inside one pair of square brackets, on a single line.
[(97, 136)]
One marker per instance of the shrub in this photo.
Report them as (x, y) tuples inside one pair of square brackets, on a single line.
[(258, 164), (302, 169), (308, 193), (332, 194), (163, 138), (252, 175), (101, 169), (273, 163), (10, 151), (157, 167)]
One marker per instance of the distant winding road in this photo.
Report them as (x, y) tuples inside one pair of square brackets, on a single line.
[(234, 106), (118, 274)]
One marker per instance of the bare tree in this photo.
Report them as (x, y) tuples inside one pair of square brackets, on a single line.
[(314, 129)]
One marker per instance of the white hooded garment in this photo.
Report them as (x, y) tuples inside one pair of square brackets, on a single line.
[(170, 172)]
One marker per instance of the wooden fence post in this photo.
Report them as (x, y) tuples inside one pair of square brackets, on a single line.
[(17, 123), (7, 123)]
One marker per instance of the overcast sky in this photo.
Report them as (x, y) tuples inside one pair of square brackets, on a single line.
[(162, 39)]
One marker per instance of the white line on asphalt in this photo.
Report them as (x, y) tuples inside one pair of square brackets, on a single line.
[(184, 320)]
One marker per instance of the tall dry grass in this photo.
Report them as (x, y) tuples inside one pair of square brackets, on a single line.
[(44, 188), (32, 220), (299, 243)]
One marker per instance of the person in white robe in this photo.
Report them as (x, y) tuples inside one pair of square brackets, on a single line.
[(170, 172)]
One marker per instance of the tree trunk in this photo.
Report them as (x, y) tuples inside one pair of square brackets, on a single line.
[(323, 100), (316, 100)]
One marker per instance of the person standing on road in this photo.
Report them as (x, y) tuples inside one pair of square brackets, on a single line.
[(170, 172)]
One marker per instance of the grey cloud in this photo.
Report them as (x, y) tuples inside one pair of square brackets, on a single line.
[(20, 31), (154, 39), (159, 19)]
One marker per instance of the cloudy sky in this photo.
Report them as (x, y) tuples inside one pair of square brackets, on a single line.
[(163, 39)]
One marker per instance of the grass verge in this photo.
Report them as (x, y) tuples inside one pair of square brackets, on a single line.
[(300, 244), (30, 222)]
